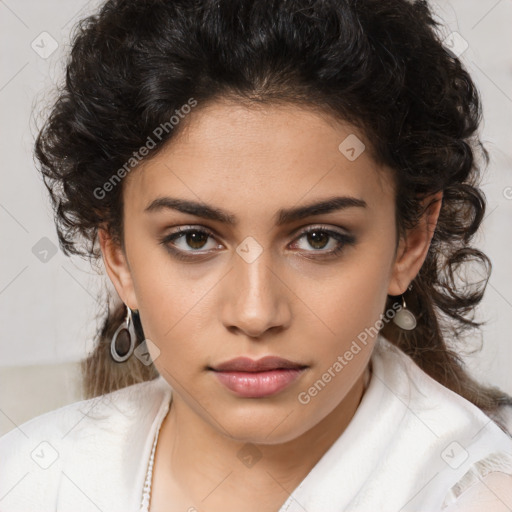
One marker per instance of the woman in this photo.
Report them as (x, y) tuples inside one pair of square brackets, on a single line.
[(282, 194)]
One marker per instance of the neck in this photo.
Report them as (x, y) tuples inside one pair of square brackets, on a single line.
[(207, 466)]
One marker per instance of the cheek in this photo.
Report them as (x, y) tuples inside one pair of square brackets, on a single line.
[(172, 306), (350, 308), (352, 299), (172, 320)]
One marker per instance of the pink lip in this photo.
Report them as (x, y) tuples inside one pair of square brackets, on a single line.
[(258, 384), (254, 379), (246, 364)]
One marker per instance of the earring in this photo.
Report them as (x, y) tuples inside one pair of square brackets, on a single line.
[(123, 341), (404, 318)]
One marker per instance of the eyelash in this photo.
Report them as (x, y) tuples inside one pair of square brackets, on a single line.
[(342, 239)]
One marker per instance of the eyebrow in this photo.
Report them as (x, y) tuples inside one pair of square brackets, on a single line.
[(284, 216)]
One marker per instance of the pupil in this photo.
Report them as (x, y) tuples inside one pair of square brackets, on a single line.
[(195, 238), (315, 236)]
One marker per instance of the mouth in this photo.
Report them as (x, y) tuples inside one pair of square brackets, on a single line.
[(248, 378)]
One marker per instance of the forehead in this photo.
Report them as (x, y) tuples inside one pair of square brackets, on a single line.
[(269, 156)]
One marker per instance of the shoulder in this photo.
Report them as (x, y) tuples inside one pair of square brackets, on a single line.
[(445, 437), (98, 412), (492, 492), (38, 454), (434, 404)]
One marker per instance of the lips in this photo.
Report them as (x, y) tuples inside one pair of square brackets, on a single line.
[(248, 378), (245, 364)]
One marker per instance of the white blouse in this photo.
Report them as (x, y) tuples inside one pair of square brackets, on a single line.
[(412, 446), (146, 494)]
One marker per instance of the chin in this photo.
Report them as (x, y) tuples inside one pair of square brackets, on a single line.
[(262, 425)]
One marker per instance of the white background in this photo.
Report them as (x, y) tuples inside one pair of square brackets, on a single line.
[(48, 309)]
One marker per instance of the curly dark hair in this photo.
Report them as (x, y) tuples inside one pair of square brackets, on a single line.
[(378, 64)]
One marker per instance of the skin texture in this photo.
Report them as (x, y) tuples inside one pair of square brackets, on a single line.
[(288, 302)]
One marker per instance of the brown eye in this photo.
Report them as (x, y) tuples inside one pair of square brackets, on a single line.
[(318, 239), (327, 243), (196, 239), (184, 242)]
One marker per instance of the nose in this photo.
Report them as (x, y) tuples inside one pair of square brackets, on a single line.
[(256, 298)]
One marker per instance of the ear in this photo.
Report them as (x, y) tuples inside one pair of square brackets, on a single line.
[(118, 270), (412, 250)]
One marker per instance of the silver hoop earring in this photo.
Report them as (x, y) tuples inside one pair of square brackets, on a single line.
[(123, 341), (404, 318)]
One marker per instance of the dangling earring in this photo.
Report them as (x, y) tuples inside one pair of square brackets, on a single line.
[(404, 318), (123, 341)]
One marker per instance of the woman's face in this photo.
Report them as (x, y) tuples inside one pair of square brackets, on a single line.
[(259, 285)]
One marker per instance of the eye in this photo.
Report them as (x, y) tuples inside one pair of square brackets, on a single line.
[(186, 241), (183, 239), (326, 242)]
